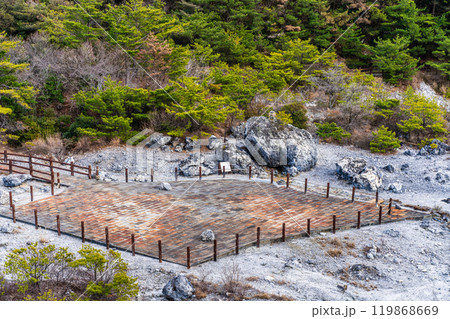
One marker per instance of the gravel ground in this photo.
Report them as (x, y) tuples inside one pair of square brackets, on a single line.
[(398, 261), (409, 261)]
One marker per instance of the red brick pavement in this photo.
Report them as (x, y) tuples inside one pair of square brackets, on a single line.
[(179, 216)]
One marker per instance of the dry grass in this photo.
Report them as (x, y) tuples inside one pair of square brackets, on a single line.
[(252, 278), (266, 296), (52, 145), (44, 240), (334, 252)]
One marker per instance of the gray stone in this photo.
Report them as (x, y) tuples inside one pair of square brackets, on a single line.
[(190, 144), (442, 178), (178, 288), (395, 188), (189, 167), (165, 186), (7, 228), (239, 131), (358, 173), (427, 178), (425, 223), (408, 153), (140, 178), (214, 142), (116, 167), (274, 145), (389, 168), (69, 160), (15, 180), (392, 232), (208, 235), (178, 148), (404, 167), (158, 140), (292, 171)]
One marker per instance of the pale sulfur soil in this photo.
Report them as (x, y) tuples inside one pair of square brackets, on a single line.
[(414, 265)]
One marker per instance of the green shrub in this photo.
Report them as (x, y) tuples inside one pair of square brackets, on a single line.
[(298, 114), (384, 141), (284, 118), (331, 131)]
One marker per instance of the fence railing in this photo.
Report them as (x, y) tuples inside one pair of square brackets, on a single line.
[(26, 164)]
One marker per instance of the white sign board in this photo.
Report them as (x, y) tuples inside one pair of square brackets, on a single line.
[(225, 166)]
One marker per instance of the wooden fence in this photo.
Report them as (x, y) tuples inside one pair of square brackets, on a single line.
[(26, 164)]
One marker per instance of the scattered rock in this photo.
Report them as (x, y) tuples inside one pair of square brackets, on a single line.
[(189, 166), (292, 263), (363, 272), (442, 178), (69, 160), (190, 144), (140, 178), (214, 142), (15, 180), (392, 232), (281, 182), (446, 200), (427, 178), (238, 131), (404, 167), (178, 288), (178, 148), (435, 148), (425, 223), (7, 228), (358, 173), (158, 140), (269, 278), (165, 186), (208, 235), (278, 146), (389, 168), (395, 188), (408, 153), (116, 167)]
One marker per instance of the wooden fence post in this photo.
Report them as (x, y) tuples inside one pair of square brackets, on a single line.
[(200, 173), (334, 224), (359, 220), (328, 190), (126, 174), (5, 156), (308, 227), (188, 257), (107, 237), (283, 232), (151, 175), (10, 199), (36, 224), (380, 213), (82, 233), (160, 251), (287, 180), (215, 250), (52, 182), (58, 225), (51, 165), (97, 173), (376, 198), (390, 206), (72, 169), (271, 176), (31, 193), (58, 180), (133, 245), (306, 185), (13, 211), (250, 172), (237, 244), (176, 174), (30, 162), (89, 171), (258, 236), (353, 193)]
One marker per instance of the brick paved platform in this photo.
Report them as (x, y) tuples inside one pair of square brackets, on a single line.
[(179, 216)]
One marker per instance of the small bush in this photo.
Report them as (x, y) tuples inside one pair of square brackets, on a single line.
[(284, 118), (384, 141), (331, 131), (298, 114), (334, 252)]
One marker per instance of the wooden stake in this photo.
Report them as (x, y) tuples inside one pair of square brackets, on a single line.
[(133, 245), (308, 227), (107, 237), (359, 220), (283, 233), (306, 185), (271, 176), (36, 224), (83, 240), (58, 225), (13, 211), (160, 251), (328, 190), (258, 236), (353, 193), (237, 244), (188, 255), (334, 224), (215, 250), (31, 193)]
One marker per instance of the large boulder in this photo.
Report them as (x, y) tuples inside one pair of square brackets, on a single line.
[(158, 140), (14, 180), (273, 145), (178, 288), (359, 174), (214, 142)]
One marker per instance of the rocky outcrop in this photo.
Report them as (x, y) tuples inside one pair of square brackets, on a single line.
[(15, 180), (158, 140), (178, 288), (435, 148), (190, 166), (359, 174), (277, 146), (165, 186)]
